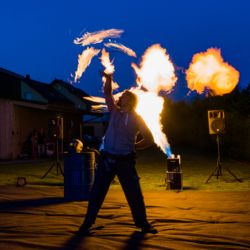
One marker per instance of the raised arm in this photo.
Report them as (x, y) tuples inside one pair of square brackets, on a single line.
[(147, 137), (108, 91)]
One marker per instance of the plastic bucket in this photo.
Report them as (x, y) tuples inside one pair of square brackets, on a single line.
[(78, 175)]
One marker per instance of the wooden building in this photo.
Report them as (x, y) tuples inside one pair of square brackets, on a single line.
[(27, 105)]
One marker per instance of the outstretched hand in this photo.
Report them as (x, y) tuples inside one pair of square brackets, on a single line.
[(102, 73)]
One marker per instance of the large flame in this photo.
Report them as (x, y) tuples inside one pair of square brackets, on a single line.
[(97, 36), (149, 108), (84, 60), (209, 71), (156, 71)]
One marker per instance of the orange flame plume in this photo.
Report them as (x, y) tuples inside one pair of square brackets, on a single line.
[(156, 71), (209, 71), (149, 108)]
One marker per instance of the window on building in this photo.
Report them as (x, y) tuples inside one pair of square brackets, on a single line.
[(28, 95)]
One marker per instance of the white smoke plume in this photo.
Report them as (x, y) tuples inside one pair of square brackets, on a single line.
[(84, 60), (97, 37), (121, 47)]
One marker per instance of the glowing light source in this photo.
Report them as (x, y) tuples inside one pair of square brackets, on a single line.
[(156, 71)]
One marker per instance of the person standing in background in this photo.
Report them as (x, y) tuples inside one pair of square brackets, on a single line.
[(41, 143)]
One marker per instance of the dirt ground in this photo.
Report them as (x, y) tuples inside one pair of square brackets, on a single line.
[(39, 218)]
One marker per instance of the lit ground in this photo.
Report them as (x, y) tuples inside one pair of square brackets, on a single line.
[(215, 215)]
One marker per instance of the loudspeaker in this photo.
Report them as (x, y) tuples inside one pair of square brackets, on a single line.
[(216, 121), (56, 127)]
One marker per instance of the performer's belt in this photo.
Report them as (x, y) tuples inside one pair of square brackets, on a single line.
[(118, 157)]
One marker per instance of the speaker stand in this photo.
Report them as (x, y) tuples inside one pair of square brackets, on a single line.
[(218, 169), (57, 163)]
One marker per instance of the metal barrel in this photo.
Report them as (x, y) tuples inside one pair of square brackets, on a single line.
[(78, 175)]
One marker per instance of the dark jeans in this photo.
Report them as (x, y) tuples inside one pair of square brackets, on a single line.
[(124, 167)]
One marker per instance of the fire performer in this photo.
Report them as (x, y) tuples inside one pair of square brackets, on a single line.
[(118, 158)]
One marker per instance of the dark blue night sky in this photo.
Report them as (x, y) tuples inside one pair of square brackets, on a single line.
[(37, 35)]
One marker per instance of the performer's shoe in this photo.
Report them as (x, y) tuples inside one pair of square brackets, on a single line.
[(85, 229), (149, 229)]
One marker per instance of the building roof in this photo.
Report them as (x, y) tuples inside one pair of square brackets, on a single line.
[(10, 86), (48, 92), (76, 91)]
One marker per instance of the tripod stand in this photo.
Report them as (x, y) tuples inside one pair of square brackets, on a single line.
[(56, 163), (218, 170)]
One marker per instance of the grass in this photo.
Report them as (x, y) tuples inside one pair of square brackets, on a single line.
[(196, 169), (151, 166)]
